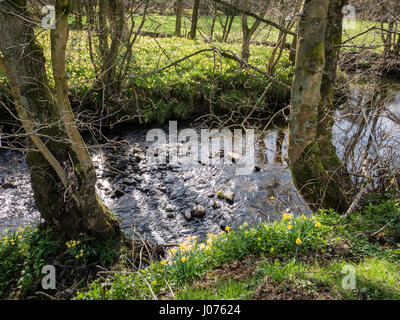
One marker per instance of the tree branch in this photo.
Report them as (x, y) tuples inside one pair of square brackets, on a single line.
[(250, 14)]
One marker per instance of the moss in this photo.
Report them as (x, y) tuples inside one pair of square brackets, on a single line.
[(79, 173), (313, 62), (315, 182)]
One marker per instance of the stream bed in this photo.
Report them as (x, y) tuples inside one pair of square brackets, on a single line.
[(158, 200)]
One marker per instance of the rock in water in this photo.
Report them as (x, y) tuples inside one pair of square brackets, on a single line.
[(188, 215), (170, 208), (122, 164), (117, 193), (129, 182), (228, 196), (199, 211), (170, 214), (216, 205)]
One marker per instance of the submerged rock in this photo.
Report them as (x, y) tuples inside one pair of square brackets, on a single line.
[(117, 193), (171, 214)]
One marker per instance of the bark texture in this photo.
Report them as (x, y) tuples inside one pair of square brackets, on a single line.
[(195, 18), (179, 13), (311, 153)]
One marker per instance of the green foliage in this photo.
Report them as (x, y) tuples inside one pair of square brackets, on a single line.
[(179, 90), (278, 271), (23, 253), (282, 245), (386, 213), (85, 250), (193, 259)]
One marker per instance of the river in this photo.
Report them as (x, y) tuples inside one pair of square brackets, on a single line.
[(155, 200)]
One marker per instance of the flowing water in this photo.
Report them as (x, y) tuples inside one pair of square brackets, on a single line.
[(155, 199)]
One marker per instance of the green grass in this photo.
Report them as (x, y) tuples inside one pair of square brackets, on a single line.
[(166, 25), (294, 258), (298, 256), (223, 290), (23, 253), (180, 90)]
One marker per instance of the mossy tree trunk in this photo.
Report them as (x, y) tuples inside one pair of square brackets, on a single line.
[(62, 174), (330, 160), (307, 144)]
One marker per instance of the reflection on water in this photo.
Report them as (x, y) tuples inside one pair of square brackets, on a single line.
[(394, 105), (367, 130)]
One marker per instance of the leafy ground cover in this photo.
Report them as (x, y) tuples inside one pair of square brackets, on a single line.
[(179, 90), (325, 256)]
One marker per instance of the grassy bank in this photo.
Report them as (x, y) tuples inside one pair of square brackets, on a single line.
[(298, 257), (181, 90), (295, 258), (191, 87)]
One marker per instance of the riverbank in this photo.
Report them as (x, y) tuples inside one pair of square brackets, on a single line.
[(323, 256), (326, 256)]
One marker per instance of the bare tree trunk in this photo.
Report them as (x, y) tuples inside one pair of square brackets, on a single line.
[(230, 16), (229, 26), (78, 14), (246, 37), (214, 18), (195, 18), (249, 31), (116, 18), (178, 22), (62, 174)]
